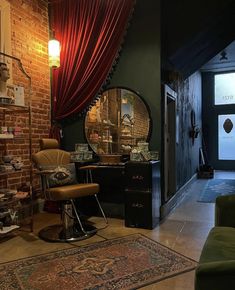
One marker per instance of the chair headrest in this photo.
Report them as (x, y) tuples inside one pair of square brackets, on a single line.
[(48, 143)]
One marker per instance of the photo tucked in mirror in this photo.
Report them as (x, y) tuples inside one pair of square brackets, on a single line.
[(117, 122)]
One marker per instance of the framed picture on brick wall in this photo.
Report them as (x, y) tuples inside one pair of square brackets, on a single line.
[(11, 93), (19, 95)]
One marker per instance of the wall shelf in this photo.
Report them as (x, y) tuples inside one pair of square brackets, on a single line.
[(16, 141)]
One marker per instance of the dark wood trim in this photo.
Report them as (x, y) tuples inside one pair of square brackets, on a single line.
[(166, 208)]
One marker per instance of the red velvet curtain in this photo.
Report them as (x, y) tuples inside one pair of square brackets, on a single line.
[(90, 33)]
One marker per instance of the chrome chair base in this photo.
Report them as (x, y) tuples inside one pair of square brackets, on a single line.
[(56, 233)]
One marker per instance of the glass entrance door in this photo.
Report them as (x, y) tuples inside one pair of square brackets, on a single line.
[(226, 137), (219, 119)]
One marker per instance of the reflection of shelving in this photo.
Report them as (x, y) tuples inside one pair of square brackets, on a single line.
[(127, 140), (117, 109), (16, 141), (127, 137), (101, 134)]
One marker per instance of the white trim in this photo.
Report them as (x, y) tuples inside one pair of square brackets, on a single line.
[(5, 33), (5, 27)]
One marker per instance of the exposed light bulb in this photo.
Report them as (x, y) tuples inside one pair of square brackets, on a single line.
[(54, 53)]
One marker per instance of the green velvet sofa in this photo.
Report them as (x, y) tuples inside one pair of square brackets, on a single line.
[(216, 268)]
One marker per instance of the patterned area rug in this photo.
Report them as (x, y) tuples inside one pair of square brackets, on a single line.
[(124, 263), (217, 187)]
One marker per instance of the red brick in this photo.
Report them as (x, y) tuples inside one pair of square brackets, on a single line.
[(29, 35)]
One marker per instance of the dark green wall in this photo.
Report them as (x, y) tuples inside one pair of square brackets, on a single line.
[(138, 68), (187, 152), (139, 64), (73, 132)]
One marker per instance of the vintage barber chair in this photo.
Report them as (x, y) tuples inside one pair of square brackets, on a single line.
[(59, 183), (216, 267)]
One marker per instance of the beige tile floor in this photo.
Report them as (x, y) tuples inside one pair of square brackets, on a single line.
[(184, 230)]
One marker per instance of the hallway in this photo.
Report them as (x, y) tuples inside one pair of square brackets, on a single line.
[(184, 231)]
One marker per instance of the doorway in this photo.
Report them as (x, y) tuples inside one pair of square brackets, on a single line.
[(169, 133), (219, 128)]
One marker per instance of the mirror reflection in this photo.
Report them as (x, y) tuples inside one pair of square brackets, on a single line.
[(117, 122)]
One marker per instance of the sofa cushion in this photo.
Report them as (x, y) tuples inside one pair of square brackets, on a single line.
[(225, 211), (216, 268), (72, 191), (219, 246)]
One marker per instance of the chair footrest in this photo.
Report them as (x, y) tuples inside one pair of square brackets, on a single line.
[(56, 233)]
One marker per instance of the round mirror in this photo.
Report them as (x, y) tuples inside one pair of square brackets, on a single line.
[(117, 122)]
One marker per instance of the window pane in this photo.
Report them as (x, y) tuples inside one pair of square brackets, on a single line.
[(225, 89), (226, 134)]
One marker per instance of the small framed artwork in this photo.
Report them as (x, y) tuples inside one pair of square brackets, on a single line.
[(11, 93), (19, 95)]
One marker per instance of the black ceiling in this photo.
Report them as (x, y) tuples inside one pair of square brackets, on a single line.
[(200, 39)]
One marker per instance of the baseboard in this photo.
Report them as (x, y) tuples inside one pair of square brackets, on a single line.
[(175, 200)]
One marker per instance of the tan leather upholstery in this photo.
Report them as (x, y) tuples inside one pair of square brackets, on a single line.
[(50, 156), (48, 143), (72, 227), (72, 191)]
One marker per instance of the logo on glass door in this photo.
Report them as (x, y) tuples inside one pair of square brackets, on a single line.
[(226, 140), (228, 126)]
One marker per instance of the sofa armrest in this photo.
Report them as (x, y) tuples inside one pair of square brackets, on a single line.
[(216, 268), (215, 276), (225, 211)]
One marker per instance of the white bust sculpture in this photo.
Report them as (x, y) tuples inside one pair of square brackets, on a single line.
[(4, 76)]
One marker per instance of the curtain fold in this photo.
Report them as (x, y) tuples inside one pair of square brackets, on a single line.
[(91, 33)]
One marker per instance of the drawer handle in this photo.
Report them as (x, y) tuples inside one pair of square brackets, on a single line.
[(138, 205), (138, 177)]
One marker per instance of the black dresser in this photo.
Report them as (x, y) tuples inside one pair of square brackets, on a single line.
[(111, 179), (142, 194)]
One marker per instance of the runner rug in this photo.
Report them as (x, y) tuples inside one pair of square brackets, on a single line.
[(217, 187), (128, 262)]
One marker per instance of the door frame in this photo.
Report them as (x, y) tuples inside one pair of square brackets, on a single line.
[(170, 138), (210, 125)]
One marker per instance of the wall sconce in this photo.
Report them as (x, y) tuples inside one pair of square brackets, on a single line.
[(54, 53)]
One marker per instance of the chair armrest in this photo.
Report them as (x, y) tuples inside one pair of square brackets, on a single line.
[(44, 172), (88, 167), (225, 211), (44, 181)]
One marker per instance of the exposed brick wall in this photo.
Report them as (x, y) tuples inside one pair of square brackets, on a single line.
[(29, 38)]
